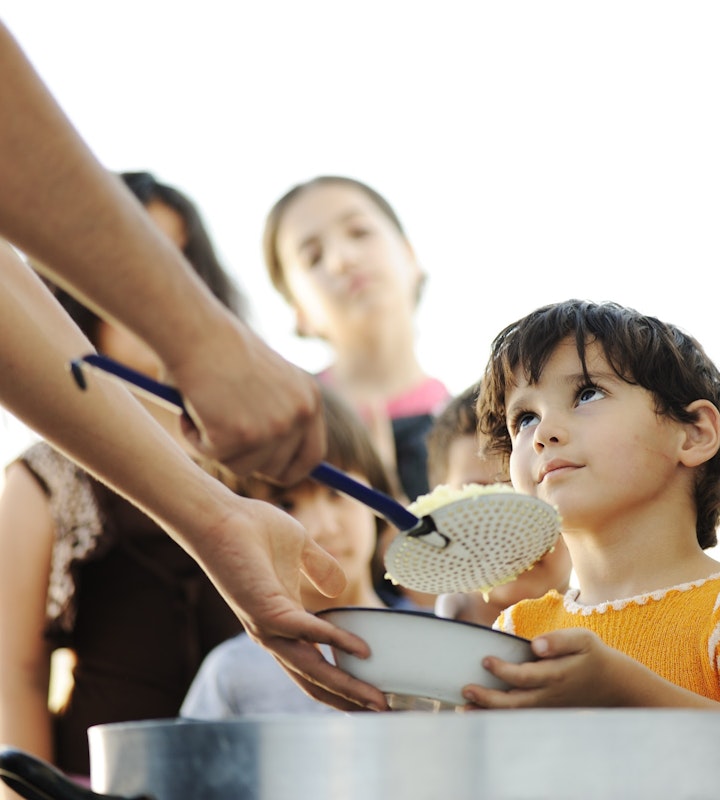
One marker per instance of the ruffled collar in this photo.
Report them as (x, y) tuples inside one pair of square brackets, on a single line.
[(573, 607)]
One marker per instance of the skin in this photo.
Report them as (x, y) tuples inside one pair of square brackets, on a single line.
[(464, 465), (621, 476), (60, 206)]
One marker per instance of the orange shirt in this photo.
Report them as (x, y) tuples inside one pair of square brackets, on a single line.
[(675, 631)]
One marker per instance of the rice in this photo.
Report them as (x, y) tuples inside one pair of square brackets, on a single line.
[(443, 494)]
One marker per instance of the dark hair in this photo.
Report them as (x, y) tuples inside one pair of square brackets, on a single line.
[(642, 351), (274, 217), (458, 418), (198, 250)]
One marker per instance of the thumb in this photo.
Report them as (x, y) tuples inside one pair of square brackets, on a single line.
[(322, 570), (561, 643)]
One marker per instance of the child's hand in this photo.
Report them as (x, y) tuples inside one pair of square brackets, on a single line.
[(575, 668)]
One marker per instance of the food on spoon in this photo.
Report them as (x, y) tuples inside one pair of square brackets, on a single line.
[(493, 539), (442, 494)]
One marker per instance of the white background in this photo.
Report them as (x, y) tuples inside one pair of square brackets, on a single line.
[(534, 150)]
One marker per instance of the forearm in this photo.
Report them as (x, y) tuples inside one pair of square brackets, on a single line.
[(105, 429), (61, 206)]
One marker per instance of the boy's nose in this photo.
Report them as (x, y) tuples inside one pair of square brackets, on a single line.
[(549, 430)]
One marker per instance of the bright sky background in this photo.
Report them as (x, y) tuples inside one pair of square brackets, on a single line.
[(534, 150)]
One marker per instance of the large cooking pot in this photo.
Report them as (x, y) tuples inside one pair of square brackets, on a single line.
[(603, 753)]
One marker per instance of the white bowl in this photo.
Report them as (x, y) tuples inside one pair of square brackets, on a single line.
[(421, 661)]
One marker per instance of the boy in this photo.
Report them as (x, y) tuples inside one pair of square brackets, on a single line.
[(612, 417)]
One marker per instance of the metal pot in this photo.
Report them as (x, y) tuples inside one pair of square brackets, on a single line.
[(569, 753)]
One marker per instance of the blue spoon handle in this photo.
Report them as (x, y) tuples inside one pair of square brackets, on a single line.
[(325, 473), (385, 505)]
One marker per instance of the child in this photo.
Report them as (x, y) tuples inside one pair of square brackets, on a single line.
[(239, 677), (338, 253), (612, 417), (456, 457)]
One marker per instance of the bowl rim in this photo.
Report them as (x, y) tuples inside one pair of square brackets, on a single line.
[(418, 613)]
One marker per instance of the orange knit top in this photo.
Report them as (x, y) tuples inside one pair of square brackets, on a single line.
[(675, 631)]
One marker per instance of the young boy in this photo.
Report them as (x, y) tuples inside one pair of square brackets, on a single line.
[(455, 457), (239, 677), (612, 417)]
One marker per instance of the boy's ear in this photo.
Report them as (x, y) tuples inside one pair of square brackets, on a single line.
[(702, 438)]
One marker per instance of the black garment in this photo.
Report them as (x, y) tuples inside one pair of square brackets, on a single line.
[(145, 616), (411, 453)]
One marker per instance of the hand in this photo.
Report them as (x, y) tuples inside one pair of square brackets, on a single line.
[(254, 563), (575, 668), (252, 410)]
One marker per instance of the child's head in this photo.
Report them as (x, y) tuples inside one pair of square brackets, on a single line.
[(454, 455), (345, 527), (640, 350), (328, 242)]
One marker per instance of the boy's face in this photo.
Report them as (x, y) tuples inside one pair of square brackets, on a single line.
[(339, 524), (598, 451)]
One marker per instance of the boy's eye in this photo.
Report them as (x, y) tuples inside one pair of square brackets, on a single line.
[(523, 420), (589, 393)]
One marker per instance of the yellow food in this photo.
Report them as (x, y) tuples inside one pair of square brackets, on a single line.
[(442, 495)]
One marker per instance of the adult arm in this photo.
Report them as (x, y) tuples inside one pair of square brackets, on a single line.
[(253, 552), (252, 409)]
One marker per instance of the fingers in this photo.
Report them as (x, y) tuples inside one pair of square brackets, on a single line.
[(324, 681), (284, 448), (322, 570), (563, 643)]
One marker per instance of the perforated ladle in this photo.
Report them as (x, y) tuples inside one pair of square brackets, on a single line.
[(467, 545)]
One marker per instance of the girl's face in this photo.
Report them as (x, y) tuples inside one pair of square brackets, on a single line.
[(344, 260), (597, 450), (338, 523)]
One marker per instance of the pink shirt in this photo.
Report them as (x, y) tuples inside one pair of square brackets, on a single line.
[(428, 397)]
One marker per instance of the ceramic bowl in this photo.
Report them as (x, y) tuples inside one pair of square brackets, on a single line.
[(421, 661)]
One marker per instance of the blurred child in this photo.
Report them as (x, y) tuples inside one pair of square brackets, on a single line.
[(337, 252), (239, 676), (612, 417), (456, 457)]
